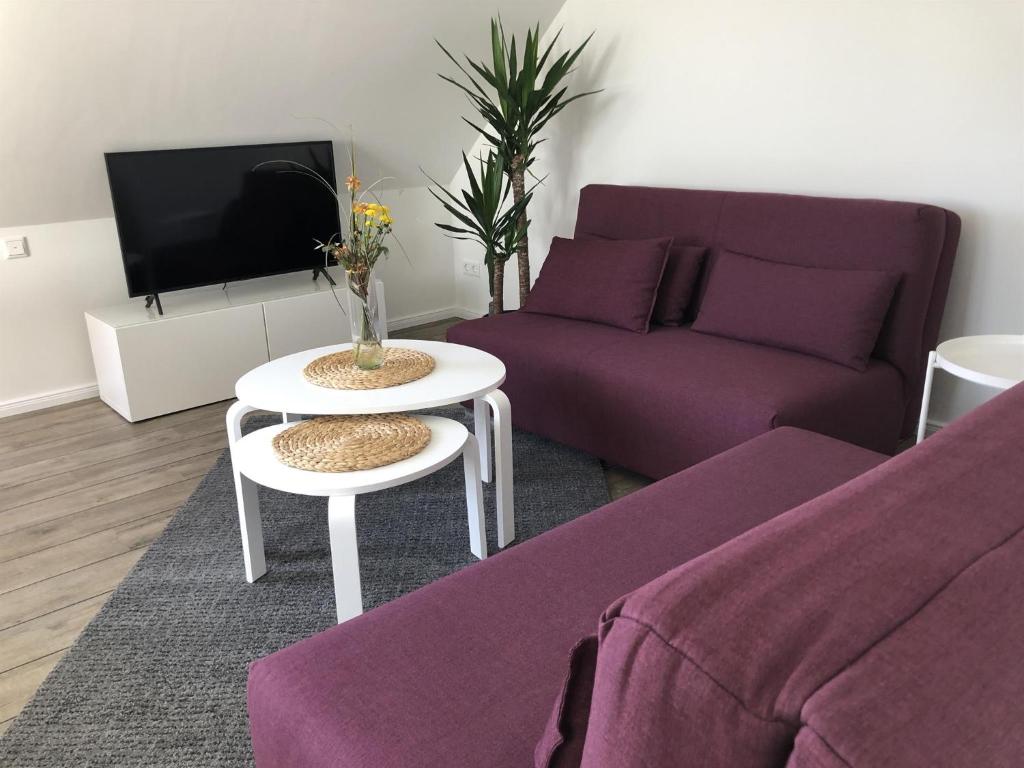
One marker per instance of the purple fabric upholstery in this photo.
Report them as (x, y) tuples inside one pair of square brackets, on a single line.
[(917, 241), (946, 688), (664, 401), (604, 281), (835, 314), (463, 671), (884, 616), (678, 284)]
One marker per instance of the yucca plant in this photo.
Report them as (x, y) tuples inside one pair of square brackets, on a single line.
[(515, 100), (486, 218)]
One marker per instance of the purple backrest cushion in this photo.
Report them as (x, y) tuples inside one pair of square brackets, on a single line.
[(721, 661), (916, 241), (834, 314), (678, 282), (613, 282)]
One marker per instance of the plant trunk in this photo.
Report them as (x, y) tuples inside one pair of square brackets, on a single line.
[(523, 250), (498, 288)]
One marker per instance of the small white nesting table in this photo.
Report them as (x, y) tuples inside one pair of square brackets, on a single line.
[(255, 463), (993, 361), (461, 374)]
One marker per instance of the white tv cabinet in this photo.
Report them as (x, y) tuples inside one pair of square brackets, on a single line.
[(149, 364)]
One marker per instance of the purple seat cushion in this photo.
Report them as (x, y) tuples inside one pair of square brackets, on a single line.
[(663, 401), (614, 282), (856, 613), (678, 283), (835, 314), (463, 671)]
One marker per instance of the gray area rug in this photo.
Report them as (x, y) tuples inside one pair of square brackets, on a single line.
[(158, 678)]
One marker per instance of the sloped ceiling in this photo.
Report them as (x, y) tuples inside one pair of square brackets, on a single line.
[(84, 77)]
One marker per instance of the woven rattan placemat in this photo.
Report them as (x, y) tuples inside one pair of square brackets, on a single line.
[(349, 443), (338, 370)]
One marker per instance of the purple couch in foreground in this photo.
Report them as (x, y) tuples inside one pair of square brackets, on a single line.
[(874, 623), (662, 401)]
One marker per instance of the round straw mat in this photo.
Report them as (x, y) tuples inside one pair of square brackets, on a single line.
[(349, 443), (338, 370)]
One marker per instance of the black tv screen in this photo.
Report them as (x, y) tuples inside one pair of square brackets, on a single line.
[(191, 217)]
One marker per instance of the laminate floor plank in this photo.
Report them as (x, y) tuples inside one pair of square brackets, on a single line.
[(26, 448), (17, 685), (42, 597), (47, 634), (74, 555), (23, 422), (25, 541), (105, 493), (53, 465), (95, 475)]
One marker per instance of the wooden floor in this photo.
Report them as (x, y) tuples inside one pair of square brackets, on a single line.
[(82, 494)]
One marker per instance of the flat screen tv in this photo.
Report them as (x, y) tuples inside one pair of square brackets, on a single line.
[(192, 217)]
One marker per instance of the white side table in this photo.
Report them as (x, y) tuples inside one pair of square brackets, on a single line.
[(255, 463), (994, 361)]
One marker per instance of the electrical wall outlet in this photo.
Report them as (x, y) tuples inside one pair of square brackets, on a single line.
[(15, 248), (471, 268)]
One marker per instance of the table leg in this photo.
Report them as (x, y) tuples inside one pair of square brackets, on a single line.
[(482, 430), (341, 520), (247, 495), (474, 499), (926, 396), (503, 466)]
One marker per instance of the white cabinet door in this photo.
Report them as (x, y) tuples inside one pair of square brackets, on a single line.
[(298, 323), (182, 362)]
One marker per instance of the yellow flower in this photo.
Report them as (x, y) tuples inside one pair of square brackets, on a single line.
[(385, 218), (360, 208)]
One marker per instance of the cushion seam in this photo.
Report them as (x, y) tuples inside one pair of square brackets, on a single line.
[(828, 745), (705, 673), (913, 614)]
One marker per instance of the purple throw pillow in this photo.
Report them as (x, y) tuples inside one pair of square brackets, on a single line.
[(835, 314), (613, 282), (677, 283)]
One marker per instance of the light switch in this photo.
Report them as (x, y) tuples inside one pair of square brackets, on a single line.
[(15, 248)]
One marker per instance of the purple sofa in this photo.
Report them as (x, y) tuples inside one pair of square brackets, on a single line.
[(793, 602), (662, 401)]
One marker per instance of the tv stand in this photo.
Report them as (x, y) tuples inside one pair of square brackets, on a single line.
[(154, 297), (194, 352), (317, 271)]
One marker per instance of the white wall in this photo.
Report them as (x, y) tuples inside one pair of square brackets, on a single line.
[(903, 99), (81, 78)]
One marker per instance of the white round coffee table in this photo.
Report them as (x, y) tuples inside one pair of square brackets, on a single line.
[(460, 374), (255, 462), (994, 361)]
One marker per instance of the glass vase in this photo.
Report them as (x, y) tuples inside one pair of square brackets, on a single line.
[(364, 316)]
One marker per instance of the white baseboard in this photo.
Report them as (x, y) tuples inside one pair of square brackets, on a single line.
[(422, 318), (50, 399)]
